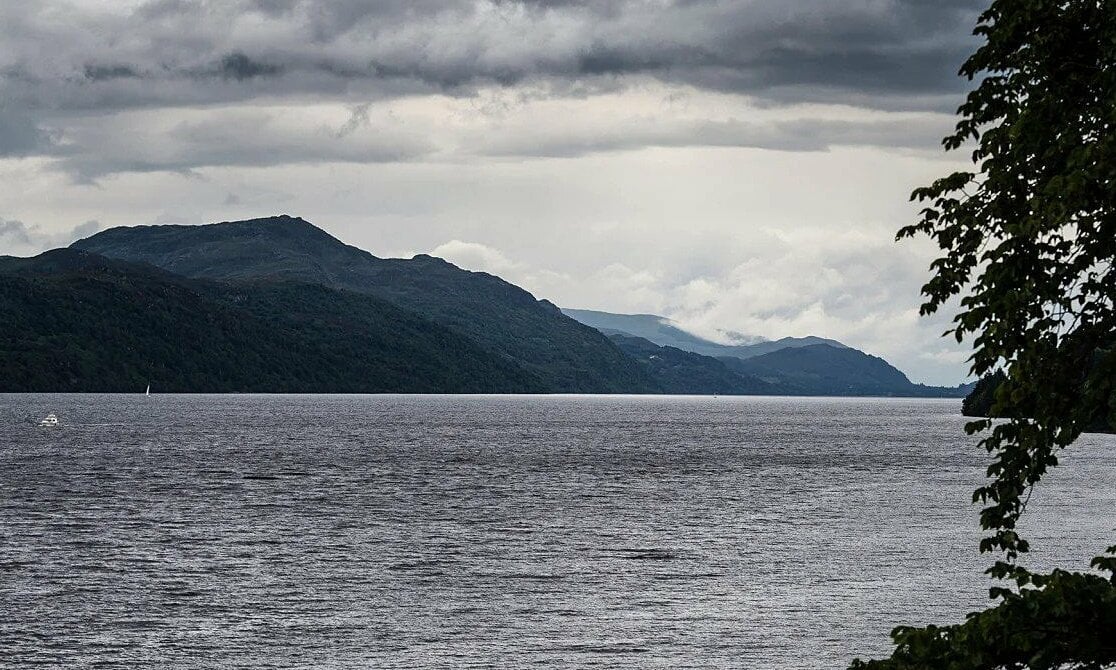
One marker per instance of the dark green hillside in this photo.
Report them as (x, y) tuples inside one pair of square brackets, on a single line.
[(824, 370), (684, 372), (78, 322), (501, 318)]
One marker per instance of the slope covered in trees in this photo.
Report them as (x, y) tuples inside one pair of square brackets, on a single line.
[(278, 305), (684, 372), (79, 322), (821, 369), (499, 317)]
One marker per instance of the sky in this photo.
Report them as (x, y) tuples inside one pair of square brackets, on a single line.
[(738, 166)]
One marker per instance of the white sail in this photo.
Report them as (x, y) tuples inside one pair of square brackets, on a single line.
[(148, 391)]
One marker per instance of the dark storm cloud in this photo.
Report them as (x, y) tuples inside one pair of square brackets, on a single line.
[(769, 48), (240, 67), (787, 135), (99, 72), (240, 138), (20, 135), (64, 65), (15, 232)]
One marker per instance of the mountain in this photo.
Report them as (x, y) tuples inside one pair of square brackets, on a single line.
[(787, 366), (277, 304), (663, 332), (651, 327), (822, 369), (75, 321), (498, 317), (769, 346), (686, 373), (817, 370)]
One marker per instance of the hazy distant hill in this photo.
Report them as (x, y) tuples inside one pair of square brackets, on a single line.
[(684, 372), (661, 331), (824, 370), (819, 370), (75, 321), (503, 319), (791, 365)]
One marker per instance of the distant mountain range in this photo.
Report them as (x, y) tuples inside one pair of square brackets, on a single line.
[(788, 366), (278, 305), (661, 331)]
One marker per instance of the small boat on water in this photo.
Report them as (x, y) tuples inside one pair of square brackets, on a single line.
[(148, 391), (49, 421)]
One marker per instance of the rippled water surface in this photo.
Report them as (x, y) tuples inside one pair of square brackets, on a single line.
[(429, 532)]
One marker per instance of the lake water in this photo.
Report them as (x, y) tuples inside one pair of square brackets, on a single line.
[(506, 532)]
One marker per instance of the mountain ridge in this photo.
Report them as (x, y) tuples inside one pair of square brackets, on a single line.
[(500, 317), (792, 365), (687, 373), (294, 303), (821, 369), (76, 321)]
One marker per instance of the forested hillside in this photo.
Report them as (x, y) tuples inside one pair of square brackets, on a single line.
[(77, 322)]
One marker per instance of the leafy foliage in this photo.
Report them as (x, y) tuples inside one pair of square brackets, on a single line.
[(1066, 620), (1028, 241), (983, 396)]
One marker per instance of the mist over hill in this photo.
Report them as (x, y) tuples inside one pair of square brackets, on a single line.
[(664, 332)]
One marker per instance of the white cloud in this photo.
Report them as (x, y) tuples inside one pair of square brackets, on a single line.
[(20, 239), (477, 257), (856, 285)]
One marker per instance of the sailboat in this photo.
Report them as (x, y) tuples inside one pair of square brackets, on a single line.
[(148, 391)]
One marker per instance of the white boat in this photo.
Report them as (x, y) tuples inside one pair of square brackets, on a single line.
[(148, 391), (50, 421)]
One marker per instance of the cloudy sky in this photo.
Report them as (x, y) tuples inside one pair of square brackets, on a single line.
[(736, 165)]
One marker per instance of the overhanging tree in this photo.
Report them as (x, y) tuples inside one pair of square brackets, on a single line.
[(1028, 240)]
